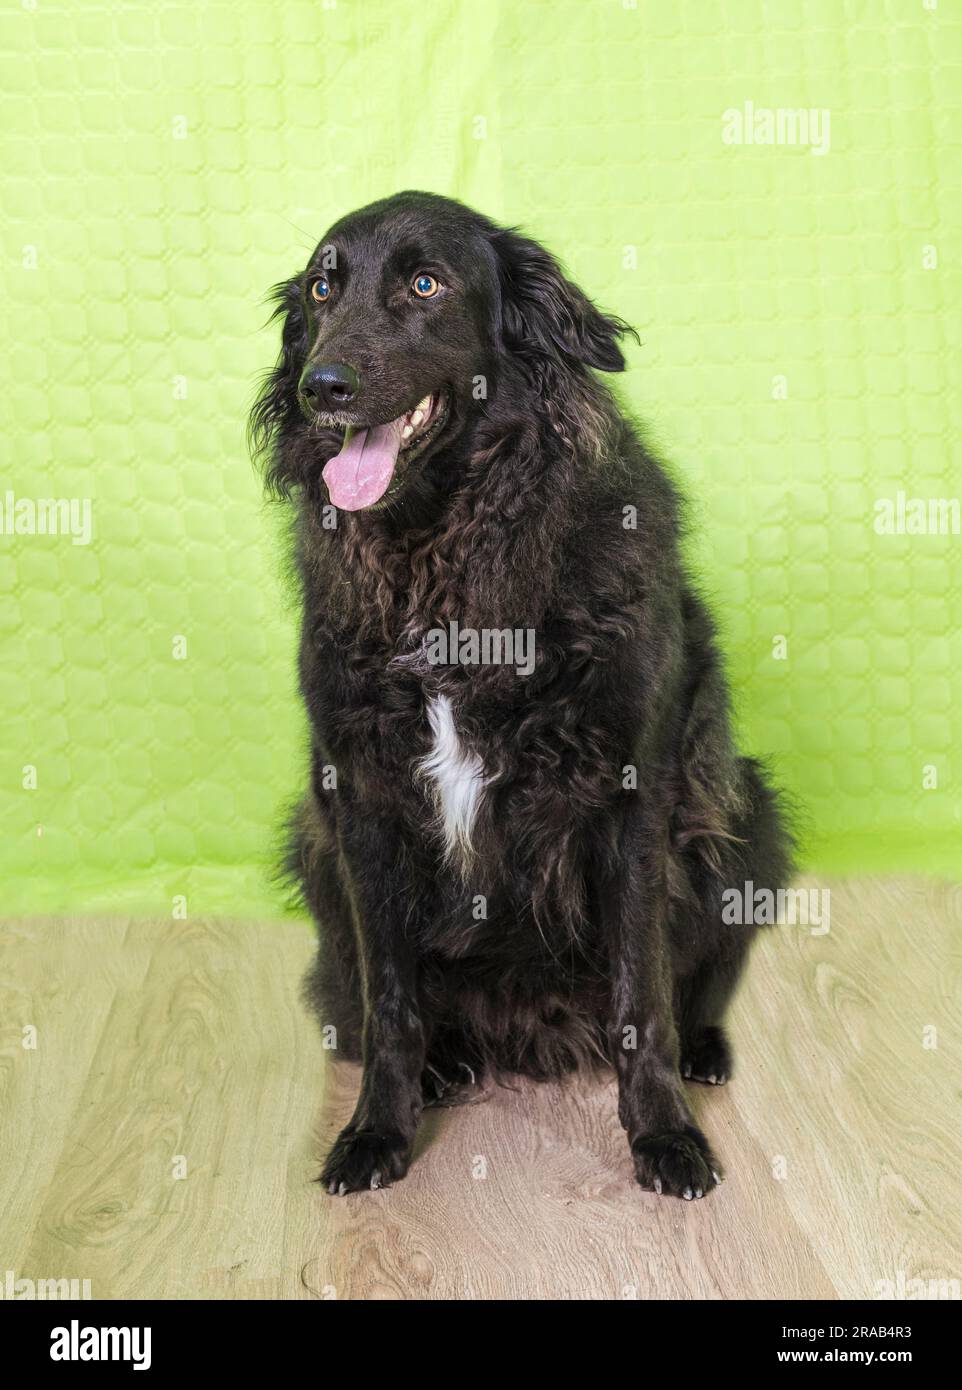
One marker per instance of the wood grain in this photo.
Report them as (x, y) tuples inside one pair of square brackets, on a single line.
[(157, 1040)]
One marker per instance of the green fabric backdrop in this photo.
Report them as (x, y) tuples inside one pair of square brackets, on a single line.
[(163, 164)]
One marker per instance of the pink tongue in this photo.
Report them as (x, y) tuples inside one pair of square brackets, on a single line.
[(359, 475)]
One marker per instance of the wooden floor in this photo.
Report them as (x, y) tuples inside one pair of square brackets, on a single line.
[(170, 1043)]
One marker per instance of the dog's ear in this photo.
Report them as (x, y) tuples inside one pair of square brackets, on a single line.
[(276, 409), (545, 314)]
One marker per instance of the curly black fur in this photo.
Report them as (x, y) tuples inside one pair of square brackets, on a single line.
[(602, 940)]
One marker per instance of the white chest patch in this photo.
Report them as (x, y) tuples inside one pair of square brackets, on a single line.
[(457, 778)]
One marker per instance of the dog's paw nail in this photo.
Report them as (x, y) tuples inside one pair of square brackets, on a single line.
[(678, 1163), (363, 1161), (707, 1057), (717, 1176)]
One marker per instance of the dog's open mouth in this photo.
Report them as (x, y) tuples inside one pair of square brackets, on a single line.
[(362, 472)]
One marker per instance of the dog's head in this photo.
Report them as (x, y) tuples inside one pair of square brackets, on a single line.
[(409, 315)]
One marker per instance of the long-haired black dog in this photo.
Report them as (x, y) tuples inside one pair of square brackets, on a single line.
[(516, 862)]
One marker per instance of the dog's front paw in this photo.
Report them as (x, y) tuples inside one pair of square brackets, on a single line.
[(707, 1057), (365, 1159), (677, 1164)]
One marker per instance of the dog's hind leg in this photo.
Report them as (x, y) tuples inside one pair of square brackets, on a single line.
[(457, 1084), (706, 1053), (670, 1153), (759, 853), (454, 1069)]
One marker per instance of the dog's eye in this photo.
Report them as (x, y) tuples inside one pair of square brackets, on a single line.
[(425, 286), (320, 290)]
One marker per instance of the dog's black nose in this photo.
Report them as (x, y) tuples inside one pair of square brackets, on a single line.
[(329, 386)]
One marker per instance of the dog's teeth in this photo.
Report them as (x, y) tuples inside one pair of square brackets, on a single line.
[(407, 431), (424, 405), (417, 417)]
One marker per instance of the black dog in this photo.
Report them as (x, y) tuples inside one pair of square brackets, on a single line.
[(518, 829)]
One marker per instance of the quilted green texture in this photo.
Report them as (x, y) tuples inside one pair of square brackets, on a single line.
[(163, 164)]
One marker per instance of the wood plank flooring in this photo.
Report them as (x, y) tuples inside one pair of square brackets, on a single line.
[(169, 1048)]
